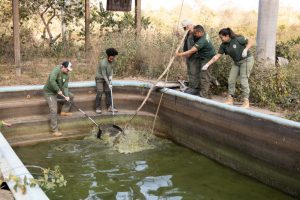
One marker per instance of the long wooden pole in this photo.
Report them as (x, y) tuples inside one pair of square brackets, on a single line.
[(159, 78)]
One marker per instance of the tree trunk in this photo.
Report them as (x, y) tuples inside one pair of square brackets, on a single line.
[(16, 33), (87, 28), (138, 17), (63, 26), (47, 25), (266, 31)]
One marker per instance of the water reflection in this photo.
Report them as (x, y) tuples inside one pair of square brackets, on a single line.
[(152, 184), (140, 165)]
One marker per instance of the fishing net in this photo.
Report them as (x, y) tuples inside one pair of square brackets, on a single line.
[(130, 141)]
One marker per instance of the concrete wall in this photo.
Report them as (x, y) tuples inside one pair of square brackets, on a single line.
[(261, 146)]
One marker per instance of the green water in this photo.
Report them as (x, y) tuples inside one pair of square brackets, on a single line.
[(167, 172)]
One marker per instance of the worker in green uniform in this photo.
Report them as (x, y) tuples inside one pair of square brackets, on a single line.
[(57, 88), (202, 51), (237, 47), (104, 79), (193, 69), (3, 123)]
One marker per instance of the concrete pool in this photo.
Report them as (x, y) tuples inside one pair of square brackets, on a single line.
[(261, 146)]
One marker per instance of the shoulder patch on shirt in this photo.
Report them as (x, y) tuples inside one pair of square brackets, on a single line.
[(207, 37)]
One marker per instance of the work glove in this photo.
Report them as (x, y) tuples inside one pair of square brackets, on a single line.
[(67, 98), (244, 54), (110, 86), (60, 93), (205, 67)]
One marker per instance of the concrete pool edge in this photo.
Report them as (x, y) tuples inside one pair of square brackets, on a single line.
[(11, 164), (120, 83)]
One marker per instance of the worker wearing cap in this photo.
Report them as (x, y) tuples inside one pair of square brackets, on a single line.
[(104, 79), (57, 87), (202, 51), (193, 69)]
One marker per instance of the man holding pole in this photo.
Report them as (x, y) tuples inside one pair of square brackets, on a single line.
[(104, 78), (57, 87), (201, 52), (193, 69)]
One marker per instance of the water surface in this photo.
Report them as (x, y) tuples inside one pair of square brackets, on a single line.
[(168, 172)]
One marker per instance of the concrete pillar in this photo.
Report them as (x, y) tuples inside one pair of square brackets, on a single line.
[(266, 31), (138, 16), (16, 35)]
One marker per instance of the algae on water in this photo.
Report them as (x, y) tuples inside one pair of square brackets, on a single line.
[(133, 140)]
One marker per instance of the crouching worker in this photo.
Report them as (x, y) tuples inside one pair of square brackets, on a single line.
[(104, 79), (237, 47), (57, 88)]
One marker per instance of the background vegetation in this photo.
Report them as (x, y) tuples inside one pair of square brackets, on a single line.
[(145, 57)]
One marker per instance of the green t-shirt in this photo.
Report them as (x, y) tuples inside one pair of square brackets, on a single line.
[(57, 81), (234, 48), (205, 48), (105, 70)]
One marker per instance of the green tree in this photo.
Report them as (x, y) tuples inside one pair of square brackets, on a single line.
[(114, 20), (50, 10)]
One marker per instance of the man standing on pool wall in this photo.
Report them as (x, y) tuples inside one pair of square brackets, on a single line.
[(202, 51), (193, 69), (237, 47), (57, 87), (104, 79)]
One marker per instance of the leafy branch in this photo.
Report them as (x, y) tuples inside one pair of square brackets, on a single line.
[(48, 179)]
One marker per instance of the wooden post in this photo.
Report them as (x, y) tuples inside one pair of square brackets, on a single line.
[(87, 27), (63, 26), (16, 35), (266, 31), (138, 17)]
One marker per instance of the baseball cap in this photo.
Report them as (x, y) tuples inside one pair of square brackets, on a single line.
[(67, 65), (186, 22)]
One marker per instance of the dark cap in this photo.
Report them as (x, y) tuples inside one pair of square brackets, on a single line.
[(68, 65)]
